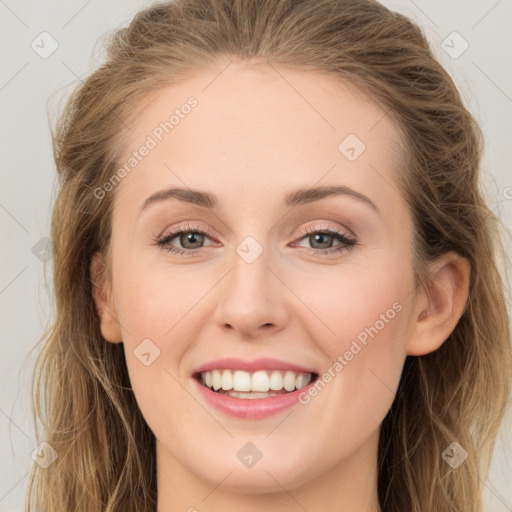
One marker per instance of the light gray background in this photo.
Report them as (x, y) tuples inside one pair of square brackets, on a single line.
[(30, 84)]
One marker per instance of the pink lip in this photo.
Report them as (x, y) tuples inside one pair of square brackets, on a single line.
[(250, 408), (256, 408), (251, 366)]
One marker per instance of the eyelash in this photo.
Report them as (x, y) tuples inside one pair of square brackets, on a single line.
[(347, 243)]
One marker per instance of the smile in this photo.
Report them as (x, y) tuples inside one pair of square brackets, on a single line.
[(252, 385)]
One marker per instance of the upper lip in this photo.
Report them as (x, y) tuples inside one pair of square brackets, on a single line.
[(251, 366)]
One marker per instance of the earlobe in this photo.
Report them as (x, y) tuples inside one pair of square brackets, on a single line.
[(109, 324), (440, 307)]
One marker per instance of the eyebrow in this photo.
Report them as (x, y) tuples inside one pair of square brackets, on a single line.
[(291, 199)]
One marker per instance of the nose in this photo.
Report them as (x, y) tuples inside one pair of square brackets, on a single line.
[(252, 299)]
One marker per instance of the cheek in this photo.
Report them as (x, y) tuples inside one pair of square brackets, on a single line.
[(152, 302), (157, 309), (363, 305), (364, 321)]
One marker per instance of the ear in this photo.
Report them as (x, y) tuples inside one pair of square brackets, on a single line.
[(109, 324), (439, 308)]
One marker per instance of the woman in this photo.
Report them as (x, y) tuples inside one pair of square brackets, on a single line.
[(276, 277)]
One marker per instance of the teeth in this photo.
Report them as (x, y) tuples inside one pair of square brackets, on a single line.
[(227, 381), (300, 382), (261, 383), (289, 381), (216, 379), (241, 381), (276, 381)]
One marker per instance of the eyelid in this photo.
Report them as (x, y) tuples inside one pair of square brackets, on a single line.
[(344, 236), (314, 228), (188, 226)]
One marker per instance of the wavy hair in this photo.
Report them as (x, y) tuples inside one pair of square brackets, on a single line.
[(81, 393)]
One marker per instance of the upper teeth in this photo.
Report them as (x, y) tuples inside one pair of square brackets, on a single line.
[(239, 380)]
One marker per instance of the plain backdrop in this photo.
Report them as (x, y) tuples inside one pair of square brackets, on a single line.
[(472, 39)]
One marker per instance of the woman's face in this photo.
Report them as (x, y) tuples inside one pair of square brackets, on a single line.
[(284, 286)]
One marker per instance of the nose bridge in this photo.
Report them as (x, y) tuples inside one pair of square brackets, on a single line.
[(251, 297), (250, 284)]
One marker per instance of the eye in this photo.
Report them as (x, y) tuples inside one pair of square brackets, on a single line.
[(324, 238), (189, 237), (192, 238)]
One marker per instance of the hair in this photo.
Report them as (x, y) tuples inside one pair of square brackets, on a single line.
[(81, 390)]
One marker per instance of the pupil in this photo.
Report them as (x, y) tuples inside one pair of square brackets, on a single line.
[(189, 237), (320, 235)]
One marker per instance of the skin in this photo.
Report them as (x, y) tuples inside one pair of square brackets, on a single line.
[(251, 139)]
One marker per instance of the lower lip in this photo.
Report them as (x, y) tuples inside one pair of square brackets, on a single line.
[(250, 408)]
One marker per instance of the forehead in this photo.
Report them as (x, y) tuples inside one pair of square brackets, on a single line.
[(255, 129)]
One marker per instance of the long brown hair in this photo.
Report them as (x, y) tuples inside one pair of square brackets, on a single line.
[(81, 389)]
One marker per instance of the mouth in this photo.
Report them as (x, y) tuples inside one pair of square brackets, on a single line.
[(253, 385)]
